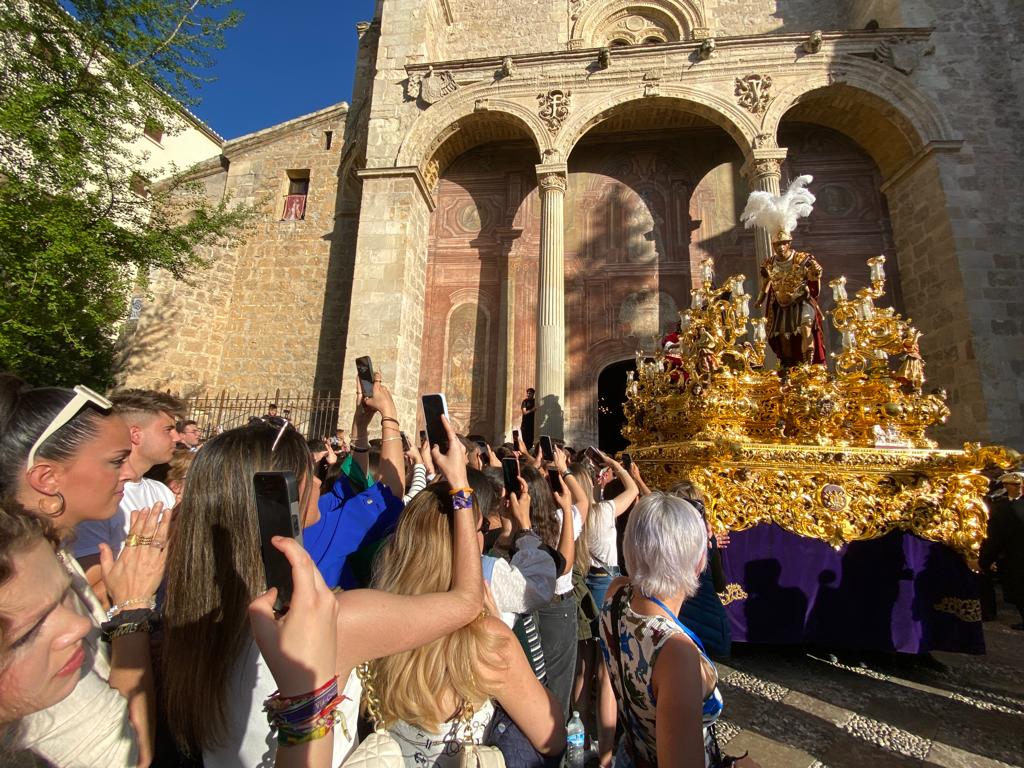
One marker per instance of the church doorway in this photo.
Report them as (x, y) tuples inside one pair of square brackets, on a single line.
[(611, 394)]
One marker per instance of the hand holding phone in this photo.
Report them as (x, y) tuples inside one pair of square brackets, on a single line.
[(510, 475), (627, 462), (547, 448), (364, 368), (485, 454), (515, 439), (434, 407), (277, 510), (595, 456)]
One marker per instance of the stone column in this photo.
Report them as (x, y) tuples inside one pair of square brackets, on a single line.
[(763, 171), (550, 416), (504, 395)]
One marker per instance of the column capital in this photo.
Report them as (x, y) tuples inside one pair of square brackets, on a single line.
[(761, 163), (552, 176)]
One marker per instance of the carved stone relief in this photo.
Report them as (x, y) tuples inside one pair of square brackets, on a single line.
[(645, 314), (753, 92), (436, 85), (554, 108), (902, 54)]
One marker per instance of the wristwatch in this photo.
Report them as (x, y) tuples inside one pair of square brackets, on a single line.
[(522, 532)]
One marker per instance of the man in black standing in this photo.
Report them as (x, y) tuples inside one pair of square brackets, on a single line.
[(528, 408), (1004, 546)]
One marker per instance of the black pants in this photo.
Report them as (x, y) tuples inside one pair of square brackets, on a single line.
[(558, 633)]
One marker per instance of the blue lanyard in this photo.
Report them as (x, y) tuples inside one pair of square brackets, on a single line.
[(679, 624)]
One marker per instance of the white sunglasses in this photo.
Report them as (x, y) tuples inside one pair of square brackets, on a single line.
[(83, 395)]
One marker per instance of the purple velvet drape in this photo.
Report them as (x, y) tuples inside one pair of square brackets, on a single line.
[(895, 593)]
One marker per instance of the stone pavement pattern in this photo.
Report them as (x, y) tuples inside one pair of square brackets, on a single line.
[(801, 708)]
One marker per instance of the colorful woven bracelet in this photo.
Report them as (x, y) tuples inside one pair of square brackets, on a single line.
[(461, 499)]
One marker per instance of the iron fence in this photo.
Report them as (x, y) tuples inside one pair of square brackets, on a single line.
[(313, 414)]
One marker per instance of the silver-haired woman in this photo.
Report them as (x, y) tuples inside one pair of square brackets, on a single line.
[(664, 683)]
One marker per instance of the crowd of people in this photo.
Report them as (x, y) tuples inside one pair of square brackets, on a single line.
[(435, 611)]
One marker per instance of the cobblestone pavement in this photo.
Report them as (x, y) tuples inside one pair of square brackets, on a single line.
[(812, 708)]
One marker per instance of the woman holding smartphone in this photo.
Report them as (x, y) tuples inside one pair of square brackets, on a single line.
[(215, 572)]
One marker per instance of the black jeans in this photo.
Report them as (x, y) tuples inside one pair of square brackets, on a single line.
[(557, 623)]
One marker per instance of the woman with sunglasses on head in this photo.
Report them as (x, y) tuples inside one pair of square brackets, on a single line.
[(215, 571), (63, 459)]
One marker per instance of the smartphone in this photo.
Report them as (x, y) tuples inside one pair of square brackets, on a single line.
[(484, 453), (364, 367), (405, 441), (547, 448), (435, 406), (423, 436), (627, 461), (555, 480), (594, 455), (515, 439), (277, 509), (510, 474)]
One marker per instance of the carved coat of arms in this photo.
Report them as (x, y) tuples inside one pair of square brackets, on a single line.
[(434, 86), (753, 92), (554, 108)]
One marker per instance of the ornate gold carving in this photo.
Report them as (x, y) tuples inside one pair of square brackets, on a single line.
[(733, 592), (554, 107), (548, 181), (803, 450), (964, 609), (753, 92)]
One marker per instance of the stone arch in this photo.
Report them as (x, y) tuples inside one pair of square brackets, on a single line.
[(878, 109), (715, 109), (601, 22), (465, 121)]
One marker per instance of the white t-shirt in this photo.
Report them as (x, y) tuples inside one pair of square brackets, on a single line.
[(249, 741), (602, 535), (113, 532), (563, 584)]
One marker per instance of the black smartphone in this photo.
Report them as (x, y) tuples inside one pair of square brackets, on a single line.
[(555, 480), (515, 439), (277, 509), (435, 406), (484, 452), (423, 436), (510, 474), (627, 461), (594, 455), (547, 448), (405, 441), (364, 367)]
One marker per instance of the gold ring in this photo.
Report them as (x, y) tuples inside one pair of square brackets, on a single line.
[(134, 540)]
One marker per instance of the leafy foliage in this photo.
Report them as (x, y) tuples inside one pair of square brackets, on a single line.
[(77, 86)]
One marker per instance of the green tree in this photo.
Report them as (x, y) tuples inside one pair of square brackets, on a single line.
[(78, 83)]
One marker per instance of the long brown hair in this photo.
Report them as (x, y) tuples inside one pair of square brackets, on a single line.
[(581, 471), (543, 509), (214, 571), (417, 560)]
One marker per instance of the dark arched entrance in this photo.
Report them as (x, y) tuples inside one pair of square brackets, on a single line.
[(611, 394)]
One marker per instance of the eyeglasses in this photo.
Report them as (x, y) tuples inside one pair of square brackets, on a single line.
[(83, 396)]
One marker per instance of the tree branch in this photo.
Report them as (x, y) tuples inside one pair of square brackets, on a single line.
[(169, 39)]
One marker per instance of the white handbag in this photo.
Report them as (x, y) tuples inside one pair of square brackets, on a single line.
[(379, 749), (475, 755)]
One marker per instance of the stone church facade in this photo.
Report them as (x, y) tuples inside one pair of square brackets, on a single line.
[(521, 191)]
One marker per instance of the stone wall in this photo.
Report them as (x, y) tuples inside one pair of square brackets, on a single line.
[(252, 321)]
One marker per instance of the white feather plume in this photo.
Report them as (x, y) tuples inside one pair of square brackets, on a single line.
[(779, 213)]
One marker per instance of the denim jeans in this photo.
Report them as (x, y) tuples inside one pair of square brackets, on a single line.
[(558, 633), (598, 586)]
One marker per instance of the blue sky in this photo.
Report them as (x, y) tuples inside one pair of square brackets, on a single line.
[(283, 60)]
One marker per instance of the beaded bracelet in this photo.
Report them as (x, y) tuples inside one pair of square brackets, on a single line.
[(307, 717), (148, 602)]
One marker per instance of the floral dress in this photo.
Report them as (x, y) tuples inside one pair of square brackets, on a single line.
[(637, 642)]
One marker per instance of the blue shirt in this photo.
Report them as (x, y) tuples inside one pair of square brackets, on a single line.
[(348, 522)]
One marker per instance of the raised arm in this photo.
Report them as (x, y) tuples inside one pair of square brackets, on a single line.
[(567, 538), (373, 624), (630, 489), (392, 462), (579, 498)]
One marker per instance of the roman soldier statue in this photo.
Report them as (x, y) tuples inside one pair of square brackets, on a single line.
[(790, 280)]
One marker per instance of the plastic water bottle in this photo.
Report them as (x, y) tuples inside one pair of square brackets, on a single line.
[(576, 743)]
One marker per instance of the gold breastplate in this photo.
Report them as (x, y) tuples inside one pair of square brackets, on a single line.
[(789, 281)]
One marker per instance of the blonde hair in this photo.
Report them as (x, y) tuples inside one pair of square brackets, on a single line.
[(582, 474), (417, 560)]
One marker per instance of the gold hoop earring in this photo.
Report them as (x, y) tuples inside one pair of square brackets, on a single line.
[(58, 511)]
